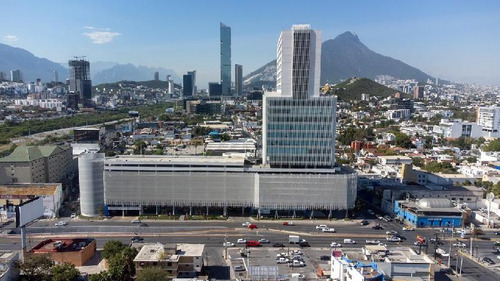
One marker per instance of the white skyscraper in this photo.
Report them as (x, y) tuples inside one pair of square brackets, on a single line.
[(299, 62), (299, 124)]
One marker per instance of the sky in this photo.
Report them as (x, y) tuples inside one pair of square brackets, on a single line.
[(455, 40)]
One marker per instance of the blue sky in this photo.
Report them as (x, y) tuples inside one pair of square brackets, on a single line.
[(457, 40)]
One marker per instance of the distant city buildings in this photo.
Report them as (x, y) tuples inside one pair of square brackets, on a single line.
[(225, 59), (418, 92), (16, 76), (188, 84), (157, 76), (238, 79), (214, 89), (56, 76), (79, 81), (170, 85)]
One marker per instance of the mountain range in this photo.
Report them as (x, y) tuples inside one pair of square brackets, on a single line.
[(342, 58), (33, 67)]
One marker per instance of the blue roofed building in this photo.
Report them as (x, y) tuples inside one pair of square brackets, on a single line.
[(429, 212)]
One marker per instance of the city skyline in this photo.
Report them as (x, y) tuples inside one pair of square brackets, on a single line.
[(435, 38)]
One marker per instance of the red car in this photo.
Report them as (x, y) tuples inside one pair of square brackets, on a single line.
[(252, 243), (288, 223), (252, 226)]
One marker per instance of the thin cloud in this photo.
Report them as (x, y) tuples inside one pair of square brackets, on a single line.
[(10, 38), (100, 35)]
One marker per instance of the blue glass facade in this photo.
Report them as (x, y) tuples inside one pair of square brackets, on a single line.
[(225, 59)]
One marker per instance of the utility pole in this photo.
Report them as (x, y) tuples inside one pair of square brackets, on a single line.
[(449, 256)]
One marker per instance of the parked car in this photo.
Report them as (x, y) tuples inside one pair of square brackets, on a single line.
[(278, 245), (329, 230), (73, 215), (296, 252), (264, 241), (297, 263), (364, 222), (488, 261), (321, 226), (137, 239), (228, 244), (241, 241), (325, 258), (335, 245), (61, 223), (239, 268), (282, 261)]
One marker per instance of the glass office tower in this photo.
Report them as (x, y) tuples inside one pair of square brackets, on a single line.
[(225, 59)]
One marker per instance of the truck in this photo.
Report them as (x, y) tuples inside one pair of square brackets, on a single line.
[(294, 239)]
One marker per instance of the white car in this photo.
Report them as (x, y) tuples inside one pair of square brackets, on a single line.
[(349, 241), (61, 223), (296, 252), (394, 239), (321, 226), (329, 230), (245, 224), (281, 255), (228, 244), (459, 244), (392, 232), (372, 242), (241, 241), (282, 260), (408, 228), (336, 245), (264, 241), (297, 263), (73, 215), (442, 252)]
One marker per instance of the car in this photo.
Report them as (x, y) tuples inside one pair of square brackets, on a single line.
[(392, 232), (241, 241), (253, 243), (61, 223), (349, 241), (335, 245), (282, 261), (304, 244), (372, 242), (380, 217), (408, 228), (143, 224), (137, 239), (73, 215), (252, 226), (364, 222), (228, 244), (488, 261), (135, 221), (387, 219), (497, 233), (377, 227), (321, 226), (459, 244), (483, 210), (498, 257), (278, 245), (239, 268), (394, 239), (281, 255), (327, 258), (297, 263), (264, 241), (329, 230), (442, 252), (296, 252), (289, 223), (382, 244), (245, 224), (418, 243)]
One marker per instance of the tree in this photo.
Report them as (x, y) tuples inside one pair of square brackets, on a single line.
[(494, 145), (439, 167), (101, 276), (65, 272), (35, 268), (402, 140), (112, 248), (140, 145), (152, 274)]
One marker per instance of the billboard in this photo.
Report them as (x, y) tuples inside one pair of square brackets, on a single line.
[(29, 211)]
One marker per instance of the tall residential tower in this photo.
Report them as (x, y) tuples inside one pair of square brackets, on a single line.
[(79, 80), (238, 79), (225, 59)]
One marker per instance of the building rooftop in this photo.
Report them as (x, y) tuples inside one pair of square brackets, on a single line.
[(184, 160), (30, 153), (61, 245), (25, 190), (170, 252)]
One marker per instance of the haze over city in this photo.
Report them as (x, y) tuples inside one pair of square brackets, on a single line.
[(454, 40)]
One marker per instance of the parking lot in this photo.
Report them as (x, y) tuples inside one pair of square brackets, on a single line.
[(268, 256)]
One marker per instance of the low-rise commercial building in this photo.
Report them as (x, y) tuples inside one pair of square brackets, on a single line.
[(179, 260), (76, 251), (13, 195), (427, 212)]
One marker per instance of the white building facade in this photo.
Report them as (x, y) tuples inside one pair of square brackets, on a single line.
[(489, 119)]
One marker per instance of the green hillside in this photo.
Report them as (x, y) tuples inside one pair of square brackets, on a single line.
[(352, 88)]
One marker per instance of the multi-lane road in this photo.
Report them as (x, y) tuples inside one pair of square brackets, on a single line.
[(213, 233)]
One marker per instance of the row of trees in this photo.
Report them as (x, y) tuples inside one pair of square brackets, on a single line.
[(41, 268)]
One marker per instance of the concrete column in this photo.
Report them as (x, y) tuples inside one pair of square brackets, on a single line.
[(242, 210), (330, 214), (190, 210), (275, 214), (140, 209), (312, 214), (156, 209), (258, 214), (294, 215), (173, 210), (224, 211), (123, 210), (207, 211)]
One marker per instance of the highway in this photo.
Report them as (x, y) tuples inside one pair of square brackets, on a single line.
[(213, 233)]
